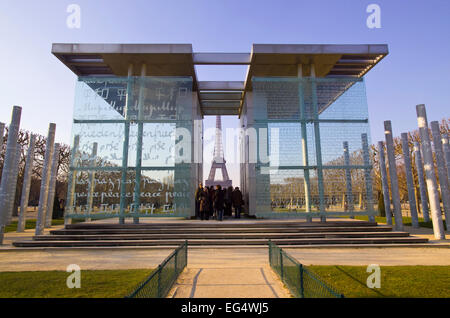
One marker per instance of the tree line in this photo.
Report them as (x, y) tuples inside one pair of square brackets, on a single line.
[(23, 141)]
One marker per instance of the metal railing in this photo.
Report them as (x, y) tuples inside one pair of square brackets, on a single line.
[(160, 281), (301, 282)]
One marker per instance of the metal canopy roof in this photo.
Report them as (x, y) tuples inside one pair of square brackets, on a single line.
[(221, 97)]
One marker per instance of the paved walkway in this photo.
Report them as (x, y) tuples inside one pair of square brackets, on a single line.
[(229, 282), (134, 258)]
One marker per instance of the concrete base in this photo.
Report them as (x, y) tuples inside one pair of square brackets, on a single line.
[(232, 232)]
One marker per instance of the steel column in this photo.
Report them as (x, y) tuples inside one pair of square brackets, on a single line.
[(305, 160), (442, 170), (348, 179), (2, 132), (126, 140), (421, 178), (384, 183), (393, 175), (45, 180), (26, 184), (446, 148), (409, 181), (71, 182), (433, 195), (139, 144), (52, 186), (90, 197), (13, 184), (367, 176), (8, 167), (318, 144)]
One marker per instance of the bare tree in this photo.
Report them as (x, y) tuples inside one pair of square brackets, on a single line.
[(63, 166)]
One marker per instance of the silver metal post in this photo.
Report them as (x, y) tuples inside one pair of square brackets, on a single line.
[(2, 132), (26, 185), (318, 145), (126, 140), (52, 186), (13, 188), (384, 183), (446, 148), (421, 178), (137, 188), (90, 197), (348, 179), (393, 175), (70, 204), (45, 180), (303, 117), (367, 176), (433, 195), (442, 170), (8, 165), (409, 181)]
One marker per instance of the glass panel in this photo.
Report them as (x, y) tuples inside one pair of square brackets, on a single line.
[(160, 195), (100, 98), (333, 136), (350, 104), (109, 138), (98, 192), (285, 141), (158, 146), (167, 98), (323, 112), (335, 188), (148, 118)]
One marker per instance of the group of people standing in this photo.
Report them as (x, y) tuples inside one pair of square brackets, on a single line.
[(216, 203)]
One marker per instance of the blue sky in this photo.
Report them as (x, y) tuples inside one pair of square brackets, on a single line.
[(414, 72)]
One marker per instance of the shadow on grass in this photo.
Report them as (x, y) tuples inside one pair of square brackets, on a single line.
[(358, 281)]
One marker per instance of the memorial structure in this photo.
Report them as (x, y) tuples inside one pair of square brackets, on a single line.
[(137, 128)]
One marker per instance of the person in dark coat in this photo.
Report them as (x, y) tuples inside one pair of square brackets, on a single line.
[(211, 201), (219, 202), (204, 205), (237, 202), (228, 201), (197, 199)]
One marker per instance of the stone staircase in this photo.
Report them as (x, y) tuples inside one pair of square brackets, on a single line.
[(226, 233)]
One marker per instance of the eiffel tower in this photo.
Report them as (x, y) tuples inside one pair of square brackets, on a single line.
[(218, 160)]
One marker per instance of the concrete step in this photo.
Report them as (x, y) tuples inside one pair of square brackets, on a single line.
[(241, 223), (231, 229), (231, 242), (219, 236)]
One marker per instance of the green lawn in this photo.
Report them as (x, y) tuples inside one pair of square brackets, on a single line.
[(31, 224), (396, 281), (43, 284), (406, 220)]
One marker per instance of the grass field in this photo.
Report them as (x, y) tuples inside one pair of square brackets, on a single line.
[(406, 220), (31, 224), (52, 284), (396, 281)]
